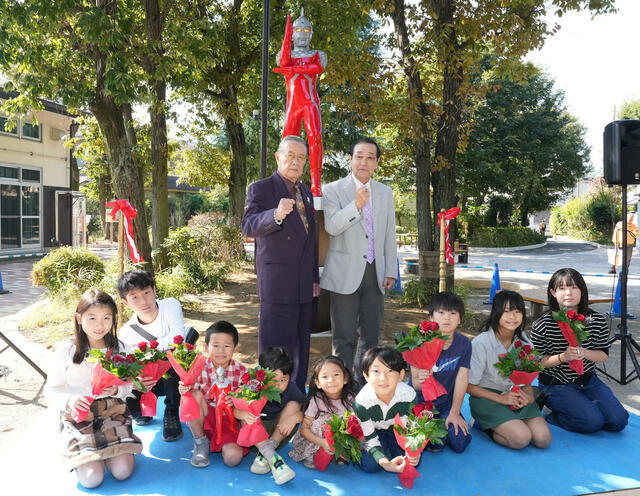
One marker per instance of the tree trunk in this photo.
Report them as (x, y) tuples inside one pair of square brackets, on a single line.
[(126, 176), (422, 137), (154, 24), (238, 158), (102, 203), (444, 170)]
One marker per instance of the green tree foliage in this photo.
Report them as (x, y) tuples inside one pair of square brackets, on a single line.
[(439, 42), (630, 109), (79, 53), (524, 145)]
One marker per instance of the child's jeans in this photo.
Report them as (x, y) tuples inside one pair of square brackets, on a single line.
[(585, 409), (457, 442), (390, 448)]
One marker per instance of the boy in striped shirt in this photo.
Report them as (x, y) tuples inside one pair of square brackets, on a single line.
[(376, 406)]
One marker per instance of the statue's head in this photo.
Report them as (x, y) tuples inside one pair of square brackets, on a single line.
[(302, 31)]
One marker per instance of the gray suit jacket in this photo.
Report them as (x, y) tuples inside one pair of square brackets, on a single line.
[(347, 257)]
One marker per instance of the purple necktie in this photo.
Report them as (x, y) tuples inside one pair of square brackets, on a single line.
[(366, 212)]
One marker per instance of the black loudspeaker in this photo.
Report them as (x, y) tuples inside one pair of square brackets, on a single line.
[(622, 152)]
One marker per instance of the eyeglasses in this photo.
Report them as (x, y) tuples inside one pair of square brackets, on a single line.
[(292, 156)]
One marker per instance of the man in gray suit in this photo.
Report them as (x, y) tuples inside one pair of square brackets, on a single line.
[(361, 263)]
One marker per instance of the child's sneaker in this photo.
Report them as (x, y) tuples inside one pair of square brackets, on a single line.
[(200, 457), (308, 462), (260, 465), (280, 470)]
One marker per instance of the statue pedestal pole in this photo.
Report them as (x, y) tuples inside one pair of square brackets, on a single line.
[(321, 305)]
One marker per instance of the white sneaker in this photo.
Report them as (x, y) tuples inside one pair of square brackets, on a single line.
[(200, 457), (260, 465), (280, 470)]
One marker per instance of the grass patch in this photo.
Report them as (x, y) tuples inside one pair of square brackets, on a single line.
[(50, 322)]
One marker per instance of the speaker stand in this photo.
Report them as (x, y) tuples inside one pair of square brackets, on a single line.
[(627, 343)]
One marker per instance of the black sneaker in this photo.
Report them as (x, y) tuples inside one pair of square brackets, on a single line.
[(142, 420), (172, 429)]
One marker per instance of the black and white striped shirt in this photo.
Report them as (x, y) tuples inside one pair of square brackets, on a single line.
[(547, 338)]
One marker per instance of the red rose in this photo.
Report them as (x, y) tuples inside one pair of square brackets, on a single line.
[(433, 326), (580, 317), (527, 349), (517, 344), (245, 378), (417, 410), (142, 346), (522, 354), (117, 359), (261, 375), (355, 430), (190, 346), (353, 420), (424, 326), (130, 358), (153, 344), (571, 315), (428, 405), (532, 358), (178, 339)]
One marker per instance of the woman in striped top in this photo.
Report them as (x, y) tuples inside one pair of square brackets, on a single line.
[(579, 403)]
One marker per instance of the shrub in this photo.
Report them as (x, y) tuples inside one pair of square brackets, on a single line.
[(416, 292), (205, 250), (68, 269), (557, 222), (590, 216), (500, 237)]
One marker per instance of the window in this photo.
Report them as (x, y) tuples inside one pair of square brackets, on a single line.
[(5, 129), (9, 172), (30, 131), (31, 175), (21, 129)]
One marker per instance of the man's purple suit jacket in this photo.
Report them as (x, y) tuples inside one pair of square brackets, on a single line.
[(286, 257)]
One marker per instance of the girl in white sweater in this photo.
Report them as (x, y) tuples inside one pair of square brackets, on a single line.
[(105, 437)]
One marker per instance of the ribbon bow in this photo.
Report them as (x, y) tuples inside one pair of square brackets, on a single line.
[(449, 215), (130, 213)]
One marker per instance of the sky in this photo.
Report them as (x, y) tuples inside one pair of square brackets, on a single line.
[(596, 63)]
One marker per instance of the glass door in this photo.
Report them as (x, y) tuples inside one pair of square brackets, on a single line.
[(9, 216)]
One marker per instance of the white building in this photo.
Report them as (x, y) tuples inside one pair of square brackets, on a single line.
[(34, 165)]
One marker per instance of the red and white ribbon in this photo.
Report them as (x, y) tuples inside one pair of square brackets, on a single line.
[(129, 212), (449, 215)]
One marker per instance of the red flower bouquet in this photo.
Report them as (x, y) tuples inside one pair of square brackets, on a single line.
[(521, 365), (155, 365), (422, 427), (573, 329), (344, 434), (188, 364), (111, 369), (258, 387), (421, 347)]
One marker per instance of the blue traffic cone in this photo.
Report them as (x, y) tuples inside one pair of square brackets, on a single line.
[(397, 287), (2, 290), (616, 309), (495, 284)]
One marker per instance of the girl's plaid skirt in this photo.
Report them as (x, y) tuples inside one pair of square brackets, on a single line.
[(105, 433)]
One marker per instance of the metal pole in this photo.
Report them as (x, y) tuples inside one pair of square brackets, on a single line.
[(443, 263), (265, 88), (623, 290)]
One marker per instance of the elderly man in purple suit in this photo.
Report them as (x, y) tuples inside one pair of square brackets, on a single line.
[(279, 215)]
